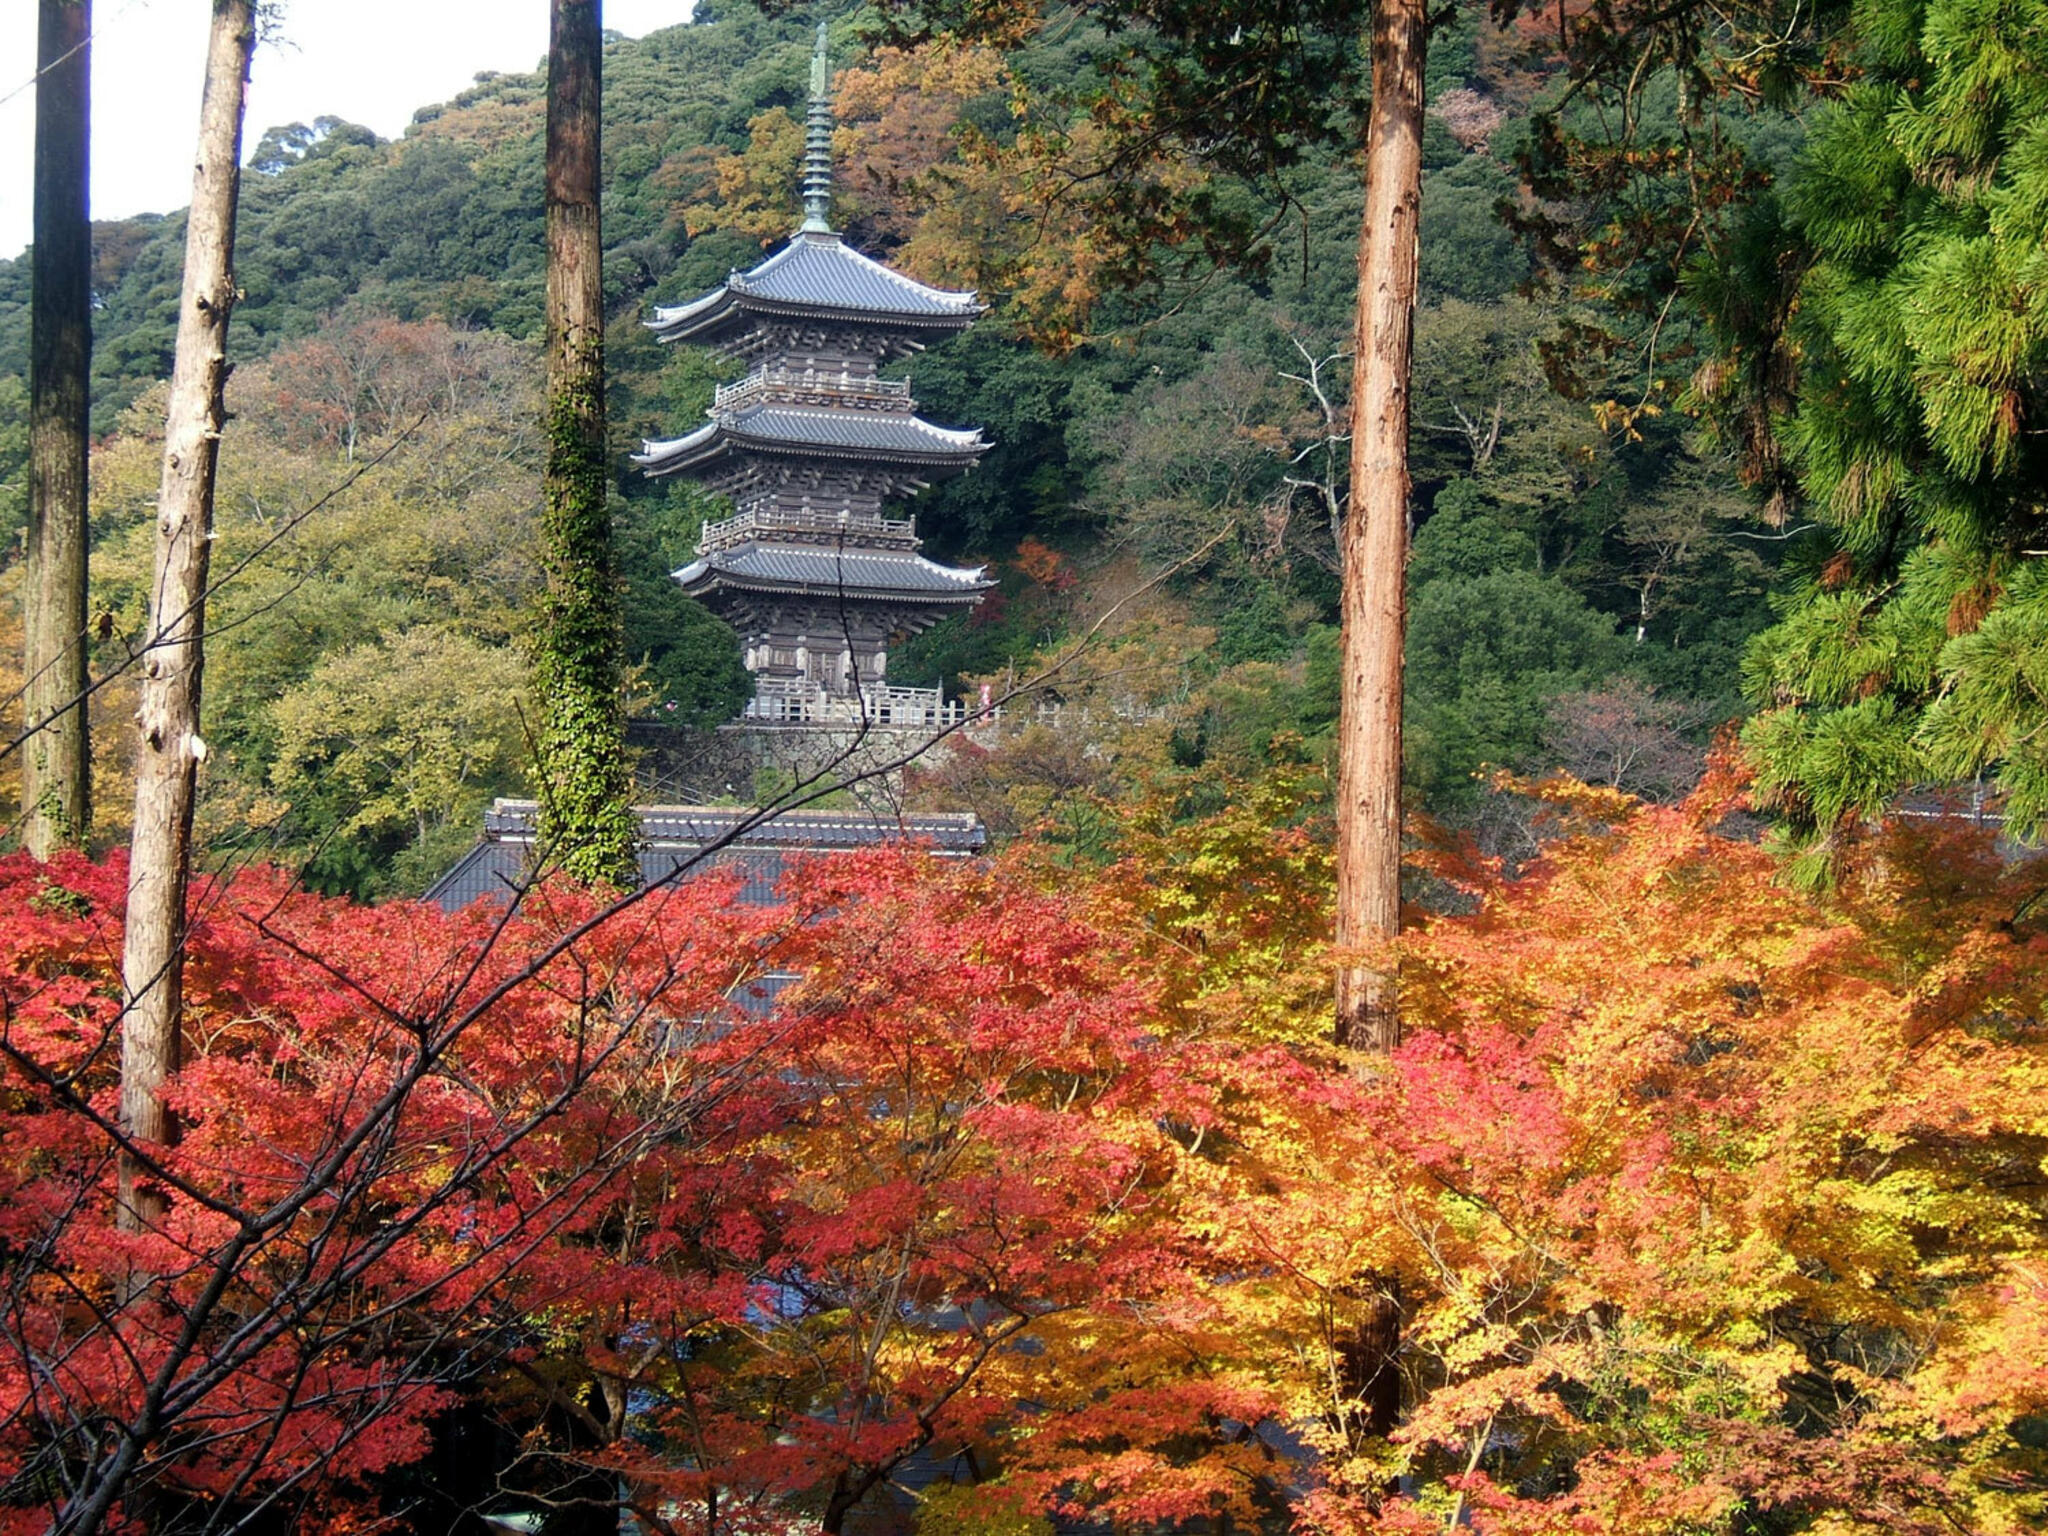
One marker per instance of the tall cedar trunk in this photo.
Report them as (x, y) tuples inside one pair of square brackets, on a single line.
[(1375, 618), (167, 719), (55, 763), (586, 810), (1375, 606)]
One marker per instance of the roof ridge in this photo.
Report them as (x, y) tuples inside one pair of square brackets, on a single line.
[(808, 250), (851, 414), (741, 282), (514, 804), (965, 295)]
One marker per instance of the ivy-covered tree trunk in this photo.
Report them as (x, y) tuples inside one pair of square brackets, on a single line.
[(170, 749), (1375, 552), (55, 760), (585, 789)]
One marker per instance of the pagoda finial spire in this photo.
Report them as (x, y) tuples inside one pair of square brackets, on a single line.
[(818, 145)]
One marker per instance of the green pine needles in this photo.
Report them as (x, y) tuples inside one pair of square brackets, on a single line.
[(1915, 652), (587, 821)]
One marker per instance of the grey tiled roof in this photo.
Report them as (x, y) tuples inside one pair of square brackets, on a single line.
[(672, 834), (819, 272), (698, 824), (822, 568), (806, 429)]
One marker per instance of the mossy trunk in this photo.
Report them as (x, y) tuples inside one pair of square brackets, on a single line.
[(585, 789)]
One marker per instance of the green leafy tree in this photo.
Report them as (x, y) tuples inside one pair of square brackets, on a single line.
[(399, 739), (13, 465), (1483, 407), (1490, 640), (1915, 646), (430, 530)]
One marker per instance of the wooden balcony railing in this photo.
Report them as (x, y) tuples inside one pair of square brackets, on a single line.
[(808, 386), (831, 525)]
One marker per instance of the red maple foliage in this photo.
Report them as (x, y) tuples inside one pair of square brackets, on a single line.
[(696, 1258), (1711, 1205), (389, 1114)]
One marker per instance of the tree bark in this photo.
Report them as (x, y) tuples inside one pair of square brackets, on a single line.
[(170, 749), (586, 792), (1375, 557), (56, 762), (1368, 1361)]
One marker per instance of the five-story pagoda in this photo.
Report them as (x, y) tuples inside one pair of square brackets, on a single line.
[(810, 445)]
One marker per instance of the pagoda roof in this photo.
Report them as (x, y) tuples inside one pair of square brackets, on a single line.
[(815, 569), (810, 431), (818, 274), (756, 845)]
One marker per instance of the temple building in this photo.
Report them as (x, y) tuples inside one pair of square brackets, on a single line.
[(675, 839), (810, 446)]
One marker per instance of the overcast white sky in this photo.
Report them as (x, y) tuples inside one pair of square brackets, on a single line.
[(370, 61)]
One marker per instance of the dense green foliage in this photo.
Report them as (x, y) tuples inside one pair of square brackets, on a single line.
[(1554, 556), (1909, 650), (365, 695)]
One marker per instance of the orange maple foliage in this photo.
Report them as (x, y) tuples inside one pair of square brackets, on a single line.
[(751, 192), (958, 205), (1713, 1206), (902, 114)]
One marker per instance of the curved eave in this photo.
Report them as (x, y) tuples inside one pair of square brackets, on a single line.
[(817, 275), (957, 456), (667, 456), (900, 597), (924, 584), (710, 444), (726, 313)]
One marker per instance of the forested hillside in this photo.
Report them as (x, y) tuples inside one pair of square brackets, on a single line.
[(1583, 579), (1655, 1147)]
